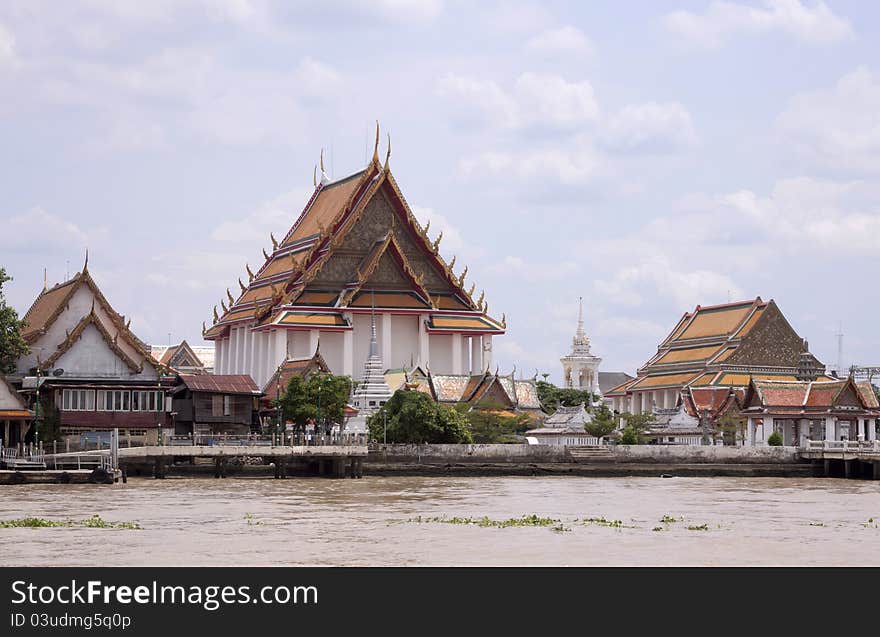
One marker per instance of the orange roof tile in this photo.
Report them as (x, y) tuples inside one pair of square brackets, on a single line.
[(688, 355), (313, 318), (329, 202), (716, 322), (663, 380)]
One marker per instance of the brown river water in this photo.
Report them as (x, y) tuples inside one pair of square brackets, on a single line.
[(313, 521)]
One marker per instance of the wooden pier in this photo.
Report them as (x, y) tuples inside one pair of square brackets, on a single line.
[(844, 458), (337, 461)]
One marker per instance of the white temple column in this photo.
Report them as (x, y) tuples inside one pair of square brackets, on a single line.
[(860, 429), (268, 368), (314, 337), (248, 351), (456, 353), (487, 351), (279, 347), (386, 340), (424, 350), (751, 430), (476, 355), (218, 356), (872, 430), (239, 351), (348, 352), (257, 364), (829, 428)]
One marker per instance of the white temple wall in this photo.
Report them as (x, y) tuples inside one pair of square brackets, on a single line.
[(298, 344), (91, 356), (441, 353), (405, 344), (465, 354), (332, 350)]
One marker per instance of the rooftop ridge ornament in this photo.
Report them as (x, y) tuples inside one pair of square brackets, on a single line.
[(204, 328), (436, 245), (388, 155), (315, 176), (504, 320), (324, 178), (229, 296), (376, 145), (250, 274), (241, 285), (216, 317), (45, 283), (452, 263), (274, 241), (427, 226), (223, 305), (463, 275), (482, 296), (86, 264), (265, 254)]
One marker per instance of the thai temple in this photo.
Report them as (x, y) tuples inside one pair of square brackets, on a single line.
[(83, 354), (355, 244), (580, 368), (715, 349)]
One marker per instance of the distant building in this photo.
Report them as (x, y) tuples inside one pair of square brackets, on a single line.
[(207, 404), (96, 372), (718, 346), (185, 358), (565, 427), (483, 391), (372, 392)]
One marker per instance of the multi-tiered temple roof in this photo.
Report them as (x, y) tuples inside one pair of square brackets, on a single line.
[(724, 346), (356, 240)]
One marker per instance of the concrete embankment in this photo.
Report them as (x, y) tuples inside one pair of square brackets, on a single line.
[(620, 460)]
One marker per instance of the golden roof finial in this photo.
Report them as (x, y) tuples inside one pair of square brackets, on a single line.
[(322, 162), (45, 282), (388, 153), (427, 226), (274, 241), (216, 317), (503, 319), (204, 329), (250, 274), (315, 176), (264, 253), (241, 285), (86, 264), (471, 291), (229, 296), (223, 305), (463, 275), (128, 324), (485, 307), (452, 263), (482, 296), (437, 241), (376, 146)]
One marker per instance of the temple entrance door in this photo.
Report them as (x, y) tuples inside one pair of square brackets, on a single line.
[(843, 430)]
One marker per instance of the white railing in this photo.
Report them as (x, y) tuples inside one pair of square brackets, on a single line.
[(844, 445)]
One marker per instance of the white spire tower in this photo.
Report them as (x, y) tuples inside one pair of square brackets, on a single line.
[(580, 369), (373, 391)]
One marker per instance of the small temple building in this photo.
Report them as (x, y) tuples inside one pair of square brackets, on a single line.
[(810, 410), (372, 392), (489, 390), (566, 426), (208, 404), (580, 368), (718, 346), (93, 369), (355, 246), (15, 417), (185, 358)]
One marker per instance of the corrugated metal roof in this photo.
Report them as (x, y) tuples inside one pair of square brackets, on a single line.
[(221, 384)]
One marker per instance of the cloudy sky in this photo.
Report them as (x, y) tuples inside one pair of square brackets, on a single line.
[(648, 156)]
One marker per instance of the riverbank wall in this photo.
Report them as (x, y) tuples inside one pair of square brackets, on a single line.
[(618, 460)]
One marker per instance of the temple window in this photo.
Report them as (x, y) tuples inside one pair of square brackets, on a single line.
[(78, 400)]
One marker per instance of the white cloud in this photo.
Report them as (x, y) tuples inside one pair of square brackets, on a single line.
[(513, 266), (534, 101), (275, 216), (317, 80), (569, 167), (838, 128), (649, 127), (7, 47), (812, 24), (562, 41), (36, 230), (658, 275)]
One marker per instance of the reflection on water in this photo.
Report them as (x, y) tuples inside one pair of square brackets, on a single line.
[(365, 522)]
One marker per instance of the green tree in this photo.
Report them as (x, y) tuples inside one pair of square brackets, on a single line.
[(302, 398), (12, 345), (729, 426), (488, 426), (634, 430), (774, 439), (413, 417), (552, 397), (602, 424)]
